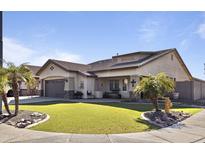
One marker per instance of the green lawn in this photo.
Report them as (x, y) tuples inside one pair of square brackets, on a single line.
[(93, 118)]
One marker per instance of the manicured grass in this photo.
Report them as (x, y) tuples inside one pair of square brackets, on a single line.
[(104, 118)]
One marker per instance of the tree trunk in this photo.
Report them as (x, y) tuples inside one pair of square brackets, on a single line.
[(155, 103), (4, 98), (16, 95)]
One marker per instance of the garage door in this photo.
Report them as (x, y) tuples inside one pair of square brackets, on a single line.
[(54, 88)]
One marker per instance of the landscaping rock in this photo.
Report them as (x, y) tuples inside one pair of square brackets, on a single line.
[(163, 119), (20, 125), (36, 114), (23, 119)]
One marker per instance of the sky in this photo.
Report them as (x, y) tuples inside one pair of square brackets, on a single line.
[(85, 37)]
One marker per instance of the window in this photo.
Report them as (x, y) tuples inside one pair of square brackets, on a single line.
[(114, 85), (124, 85), (81, 85)]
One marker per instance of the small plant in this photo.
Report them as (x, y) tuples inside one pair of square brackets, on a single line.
[(167, 105)]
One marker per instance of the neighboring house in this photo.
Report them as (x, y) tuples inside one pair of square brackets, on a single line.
[(23, 91), (117, 75)]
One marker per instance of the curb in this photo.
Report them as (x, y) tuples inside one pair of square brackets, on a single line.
[(151, 122), (177, 125), (35, 124)]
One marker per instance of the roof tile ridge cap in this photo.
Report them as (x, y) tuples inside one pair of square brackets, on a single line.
[(58, 61)]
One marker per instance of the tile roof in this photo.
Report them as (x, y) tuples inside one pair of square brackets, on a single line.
[(111, 64), (34, 69), (108, 64), (69, 66)]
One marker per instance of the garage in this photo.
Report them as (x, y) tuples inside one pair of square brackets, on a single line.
[(54, 88)]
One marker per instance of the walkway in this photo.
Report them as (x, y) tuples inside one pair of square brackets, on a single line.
[(191, 130)]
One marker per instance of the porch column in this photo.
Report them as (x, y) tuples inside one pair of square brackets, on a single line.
[(42, 91), (1, 52), (66, 88), (134, 79)]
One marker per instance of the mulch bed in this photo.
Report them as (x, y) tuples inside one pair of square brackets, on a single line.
[(23, 119), (163, 119)]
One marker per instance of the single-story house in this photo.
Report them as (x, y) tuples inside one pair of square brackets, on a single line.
[(118, 74)]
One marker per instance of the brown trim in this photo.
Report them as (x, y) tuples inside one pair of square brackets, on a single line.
[(179, 59), (43, 67), (122, 68), (133, 53), (142, 52), (183, 64), (62, 67), (155, 58), (114, 69), (51, 61), (162, 54), (196, 79)]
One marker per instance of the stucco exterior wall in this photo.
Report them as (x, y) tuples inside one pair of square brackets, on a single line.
[(173, 68), (117, 73), (58, 73), (168, 64), (164, 64), (84, 89), (103, 84), (55, 73), (91, 84)]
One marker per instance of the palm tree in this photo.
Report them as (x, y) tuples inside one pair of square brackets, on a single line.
[(3, 85), (31, 85), (154, 87), (17, 74)]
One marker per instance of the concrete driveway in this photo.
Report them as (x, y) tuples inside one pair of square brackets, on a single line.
[(32, 99), (191, 130)]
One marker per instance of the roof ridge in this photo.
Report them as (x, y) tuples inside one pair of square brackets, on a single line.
[(146, 52), (99, 61), (32, 65), (56, 60)]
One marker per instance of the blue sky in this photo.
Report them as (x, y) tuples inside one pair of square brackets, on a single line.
[(88, 36)]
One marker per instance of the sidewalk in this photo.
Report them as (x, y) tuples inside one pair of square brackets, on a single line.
[(192, 130)]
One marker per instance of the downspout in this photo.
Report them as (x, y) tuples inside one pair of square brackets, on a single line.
[(1, 50)]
